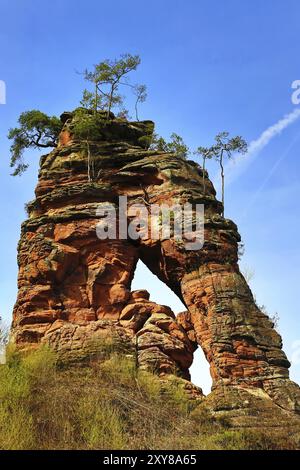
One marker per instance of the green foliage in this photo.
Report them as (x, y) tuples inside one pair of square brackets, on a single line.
[(92, 101), (87, 127), (119, 369), (108, 405), (36, 130), (112, 71), (106, 79), (223, 147), (101, 425), (149, 384), (158, 143), (123, 114), (140, 92), (228, 146), (249, 440), (20, 383), (175, 145), (207, 153), (177, 396), (146, 141)]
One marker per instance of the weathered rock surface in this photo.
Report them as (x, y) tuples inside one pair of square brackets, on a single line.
[(75, 289)]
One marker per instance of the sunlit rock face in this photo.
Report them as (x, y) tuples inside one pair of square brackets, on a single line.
[(75, 289)]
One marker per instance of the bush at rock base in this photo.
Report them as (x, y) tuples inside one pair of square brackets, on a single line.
[(108, 405)]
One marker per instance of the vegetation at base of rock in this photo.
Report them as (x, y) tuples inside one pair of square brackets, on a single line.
[(108, 405)]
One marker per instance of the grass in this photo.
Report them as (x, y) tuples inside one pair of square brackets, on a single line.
[(107, 405)]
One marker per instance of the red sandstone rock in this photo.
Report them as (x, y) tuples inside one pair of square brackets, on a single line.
[(74, 289), (140, 294)]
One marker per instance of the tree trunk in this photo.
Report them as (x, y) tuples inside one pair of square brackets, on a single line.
[(110, 101), (96, 100), (93, 168), (223, 182), (136, 110), (203, 176), (89, 160)]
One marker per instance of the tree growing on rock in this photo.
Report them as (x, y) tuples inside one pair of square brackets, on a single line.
[(178, 146), (107, 77), (175, 145), (224, 147), (207, 153), (36, 130), (86, 128), (140, 91)]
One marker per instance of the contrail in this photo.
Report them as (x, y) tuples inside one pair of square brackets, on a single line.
[(239, 163), (269, 175)]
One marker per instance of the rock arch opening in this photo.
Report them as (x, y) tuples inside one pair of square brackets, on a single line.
[(162, 294), (159, 292)]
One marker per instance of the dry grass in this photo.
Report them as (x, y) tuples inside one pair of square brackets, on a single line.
[(105, 406)]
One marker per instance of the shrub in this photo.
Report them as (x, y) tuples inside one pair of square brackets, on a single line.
[(100, 424), (107, 405), (149, 384), (119, 369)]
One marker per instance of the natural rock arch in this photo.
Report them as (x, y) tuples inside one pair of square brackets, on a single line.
[(161, 294), (74, 289)]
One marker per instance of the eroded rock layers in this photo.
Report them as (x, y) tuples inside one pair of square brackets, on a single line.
[(75, 289)]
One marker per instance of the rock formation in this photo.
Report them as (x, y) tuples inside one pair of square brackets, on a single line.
[(74, 289)]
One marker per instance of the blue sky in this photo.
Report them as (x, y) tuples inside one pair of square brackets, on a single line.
[(209, 65)]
